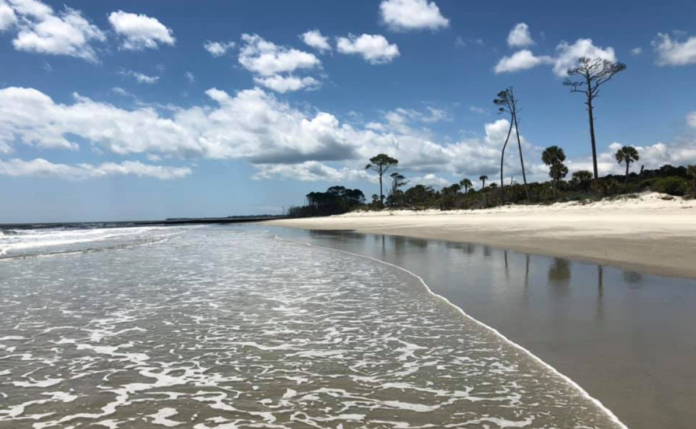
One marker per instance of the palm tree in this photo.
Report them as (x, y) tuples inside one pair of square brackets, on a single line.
[(554, 156), (627, 155), (483, 179), (466, 184), (380, 164), (582, 179)]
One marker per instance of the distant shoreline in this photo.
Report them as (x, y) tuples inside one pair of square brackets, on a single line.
[(647, 234), (137, 223)]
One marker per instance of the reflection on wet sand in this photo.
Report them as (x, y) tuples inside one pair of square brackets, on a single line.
[(615, 332)]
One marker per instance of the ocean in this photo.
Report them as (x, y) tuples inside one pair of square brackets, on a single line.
[(236, 327)]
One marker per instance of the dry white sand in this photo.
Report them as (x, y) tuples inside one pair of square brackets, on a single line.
[(649, 233)]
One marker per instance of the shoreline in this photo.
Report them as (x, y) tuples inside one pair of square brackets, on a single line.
[(608, 412), (646, 234)]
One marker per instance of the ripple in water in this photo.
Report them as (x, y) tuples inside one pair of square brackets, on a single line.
[(225, 328)]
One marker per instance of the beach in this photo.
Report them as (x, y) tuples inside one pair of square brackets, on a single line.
[(650, 233), (228, 327)]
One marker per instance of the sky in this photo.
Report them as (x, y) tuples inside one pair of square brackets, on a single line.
[(135, 110)]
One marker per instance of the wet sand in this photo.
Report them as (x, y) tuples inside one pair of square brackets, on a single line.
[(625, 337), (646, 234)]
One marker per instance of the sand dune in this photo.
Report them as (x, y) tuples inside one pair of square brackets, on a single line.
[(648, 233)]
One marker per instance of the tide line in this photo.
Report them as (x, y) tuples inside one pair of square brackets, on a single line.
[(567, 379)]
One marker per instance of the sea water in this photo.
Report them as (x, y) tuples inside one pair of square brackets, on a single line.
[(225, 327)]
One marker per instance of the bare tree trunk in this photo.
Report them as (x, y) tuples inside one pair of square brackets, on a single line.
[(590, 112), (502, 158), (381, 195), (519, 145)]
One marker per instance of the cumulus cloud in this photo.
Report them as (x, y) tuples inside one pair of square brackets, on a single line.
[(8, 18), (636, 51), (250, 125), (680, 152), (218, 49), (521, 60), (140, 77), (429, 179), (42, 168), (568, 55), (672, 52), (691, 119), (267, 59), (283, 84), (139, 32), (41, 30), (273, 65), (405, 15), (375, 49), (316, 40), (311, 171), (519, 36)]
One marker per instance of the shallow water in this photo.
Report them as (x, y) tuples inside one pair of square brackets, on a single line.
[(625, 337), (223, 327)]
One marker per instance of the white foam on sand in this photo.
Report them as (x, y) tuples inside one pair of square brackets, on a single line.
[(567, 379)]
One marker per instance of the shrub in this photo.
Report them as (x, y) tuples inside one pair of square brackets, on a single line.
[(670, 185)]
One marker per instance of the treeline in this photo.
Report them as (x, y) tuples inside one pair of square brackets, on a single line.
[(589, 74), (336, 200)]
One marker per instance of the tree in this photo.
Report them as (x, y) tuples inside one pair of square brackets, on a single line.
[(380, 164), (691, 171), (582, 179), (398, 181), (483, 179), (627, 155), (507, 102), (554, 156), (592, 74), (466, 184)]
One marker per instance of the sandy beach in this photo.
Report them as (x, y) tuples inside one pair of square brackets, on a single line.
[(651, 233)]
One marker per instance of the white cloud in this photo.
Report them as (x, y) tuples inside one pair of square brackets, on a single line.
[(691, 119), (636, 51), (479, 110), (273, 65), (280, 140), (521, 60), (218, 49), (375, 49), (190, 77), (316, 40), (429, 179), (8, 18), (42, 31), (404, 15), (140, 77), (267, 59), (311, 171), (32, 8), (568, 55), (519, 36), (283, 84), (673, 52), (139, 32), (42, 168)]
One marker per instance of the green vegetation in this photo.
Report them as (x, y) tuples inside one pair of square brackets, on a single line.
[(675, 181), (584, 186)]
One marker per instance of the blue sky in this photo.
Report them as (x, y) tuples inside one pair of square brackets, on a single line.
[(142, 110)]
